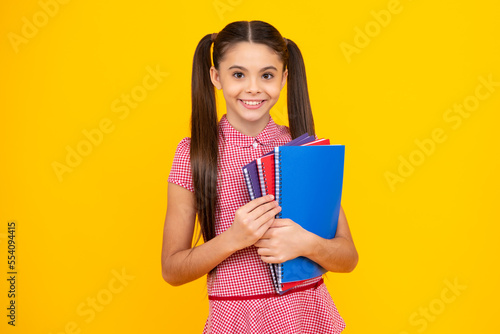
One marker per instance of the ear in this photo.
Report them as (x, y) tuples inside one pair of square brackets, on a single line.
[(283, 78), (214, 76)]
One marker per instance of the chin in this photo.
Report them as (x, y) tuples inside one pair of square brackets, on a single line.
[(254, 115)]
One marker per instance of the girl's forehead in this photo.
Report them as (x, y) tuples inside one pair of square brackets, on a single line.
[(250, 53)]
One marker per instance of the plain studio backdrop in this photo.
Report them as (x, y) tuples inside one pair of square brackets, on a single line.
[(95, 96)]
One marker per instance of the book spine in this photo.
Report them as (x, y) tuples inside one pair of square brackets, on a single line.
[(279, 198), (248, 183), (262, 177), (277, 178), (273, 276)]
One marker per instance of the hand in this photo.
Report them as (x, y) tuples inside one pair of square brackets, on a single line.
[(285, 240), (252, 220)]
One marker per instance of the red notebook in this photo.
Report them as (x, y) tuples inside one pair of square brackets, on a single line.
[(265, 167)]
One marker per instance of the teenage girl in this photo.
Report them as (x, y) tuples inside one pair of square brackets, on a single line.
[(251, 64)]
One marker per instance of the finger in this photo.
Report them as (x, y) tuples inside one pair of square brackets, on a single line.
[(269, 259), (266, 236), (268, 218), (264, 252), (262, 210), (261, 230), (253, 204), (280, 222), (269, 233), (262, 243)]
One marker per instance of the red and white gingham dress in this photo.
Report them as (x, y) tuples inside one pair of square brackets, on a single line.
[(244, 273)]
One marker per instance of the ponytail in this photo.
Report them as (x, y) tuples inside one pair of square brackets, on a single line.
[(204, 138), (300, 116)]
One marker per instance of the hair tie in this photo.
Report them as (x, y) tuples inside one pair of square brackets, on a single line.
[(286, 41), (214, 36)]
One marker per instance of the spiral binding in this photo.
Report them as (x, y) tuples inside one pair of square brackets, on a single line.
[(277, 167), (281, 271), (279, 190), (249, 184), (280, 185)]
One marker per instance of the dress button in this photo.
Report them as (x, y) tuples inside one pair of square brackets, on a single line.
[(255, 144)]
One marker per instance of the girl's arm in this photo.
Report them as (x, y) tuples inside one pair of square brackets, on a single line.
[(287, 240), (181, 263)]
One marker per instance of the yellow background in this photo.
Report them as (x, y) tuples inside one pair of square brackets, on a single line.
[(438, 227)]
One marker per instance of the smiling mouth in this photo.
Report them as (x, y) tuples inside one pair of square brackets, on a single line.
[(252, 102)]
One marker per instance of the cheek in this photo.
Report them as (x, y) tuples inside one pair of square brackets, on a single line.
[(231, 92), (232, 89), (275, 91)]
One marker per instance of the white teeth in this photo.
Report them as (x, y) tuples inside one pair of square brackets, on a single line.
[(251, 103)]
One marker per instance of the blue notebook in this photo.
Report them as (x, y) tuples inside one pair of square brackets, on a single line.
[(309, 190)]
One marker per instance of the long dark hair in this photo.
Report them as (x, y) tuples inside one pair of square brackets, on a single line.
[(204, 123)]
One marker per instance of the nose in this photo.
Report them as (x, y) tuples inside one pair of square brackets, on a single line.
[(253, 86)]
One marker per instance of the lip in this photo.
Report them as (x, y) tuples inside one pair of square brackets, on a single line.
[(252, 107)]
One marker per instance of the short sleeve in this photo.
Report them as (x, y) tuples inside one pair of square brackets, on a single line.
[(180, 173)]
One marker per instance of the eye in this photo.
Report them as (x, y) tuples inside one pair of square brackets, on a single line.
[(238, 75), (267, 76)]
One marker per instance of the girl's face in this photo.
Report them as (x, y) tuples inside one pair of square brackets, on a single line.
[(251, 78)]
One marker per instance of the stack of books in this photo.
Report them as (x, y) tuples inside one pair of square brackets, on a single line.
[(305, 176)]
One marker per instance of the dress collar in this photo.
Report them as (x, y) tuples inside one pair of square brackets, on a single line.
[(233, 136)]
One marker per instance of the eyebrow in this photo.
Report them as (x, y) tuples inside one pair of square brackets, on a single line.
[(262, 70)]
